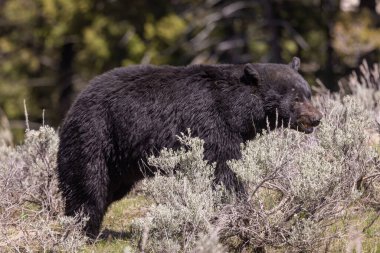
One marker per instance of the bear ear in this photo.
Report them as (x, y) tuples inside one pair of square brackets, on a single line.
[(295, 64), (251, 76)]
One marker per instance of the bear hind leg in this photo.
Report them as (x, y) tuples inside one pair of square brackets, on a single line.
[(86, 194)]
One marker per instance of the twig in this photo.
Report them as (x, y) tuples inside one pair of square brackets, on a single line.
[(371, 176), (281, 204), (270, 177), (26, 117), (371, 223), (144, 239)]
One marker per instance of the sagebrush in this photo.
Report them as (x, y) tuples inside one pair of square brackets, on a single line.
[(31, 211)]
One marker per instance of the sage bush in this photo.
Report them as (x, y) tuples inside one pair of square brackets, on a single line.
[(31, 209), (299, 185), (185, 198)]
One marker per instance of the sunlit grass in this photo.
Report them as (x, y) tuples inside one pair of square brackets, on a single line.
[(116, 229)]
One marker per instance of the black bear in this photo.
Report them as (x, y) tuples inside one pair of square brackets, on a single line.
[(129, 113)]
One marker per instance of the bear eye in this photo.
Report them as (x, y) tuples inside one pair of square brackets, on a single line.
[(297, 99)]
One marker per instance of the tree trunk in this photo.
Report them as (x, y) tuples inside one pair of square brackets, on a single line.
[(330, 9), (370, 4), (65, 79), (272, 10)]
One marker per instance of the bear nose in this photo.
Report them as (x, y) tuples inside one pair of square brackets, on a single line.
[(316, 119), (315, 122)]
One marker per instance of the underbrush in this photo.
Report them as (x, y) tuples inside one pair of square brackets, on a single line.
[(303, 192), (31, 218)]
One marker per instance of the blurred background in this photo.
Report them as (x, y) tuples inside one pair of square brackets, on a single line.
[(50, 49)]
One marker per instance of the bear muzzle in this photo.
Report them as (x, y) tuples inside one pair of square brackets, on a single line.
[(308, 119)]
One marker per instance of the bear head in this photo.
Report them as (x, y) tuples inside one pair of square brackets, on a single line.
[(285, 94)]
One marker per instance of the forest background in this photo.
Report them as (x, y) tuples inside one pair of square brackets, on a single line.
[(50, 49)]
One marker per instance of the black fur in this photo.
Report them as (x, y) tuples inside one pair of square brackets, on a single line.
[(129, 113)]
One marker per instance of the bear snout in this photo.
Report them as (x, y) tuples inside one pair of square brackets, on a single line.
[(315, 115), (315, 119), (308, 117)]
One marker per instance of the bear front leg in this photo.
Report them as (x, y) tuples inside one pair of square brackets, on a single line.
[(89, 209), (95, 214), (224, 175), (220, 151)]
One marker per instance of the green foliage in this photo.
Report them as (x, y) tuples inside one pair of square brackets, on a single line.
[(355, 34), (33, 35), (177, 27)]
